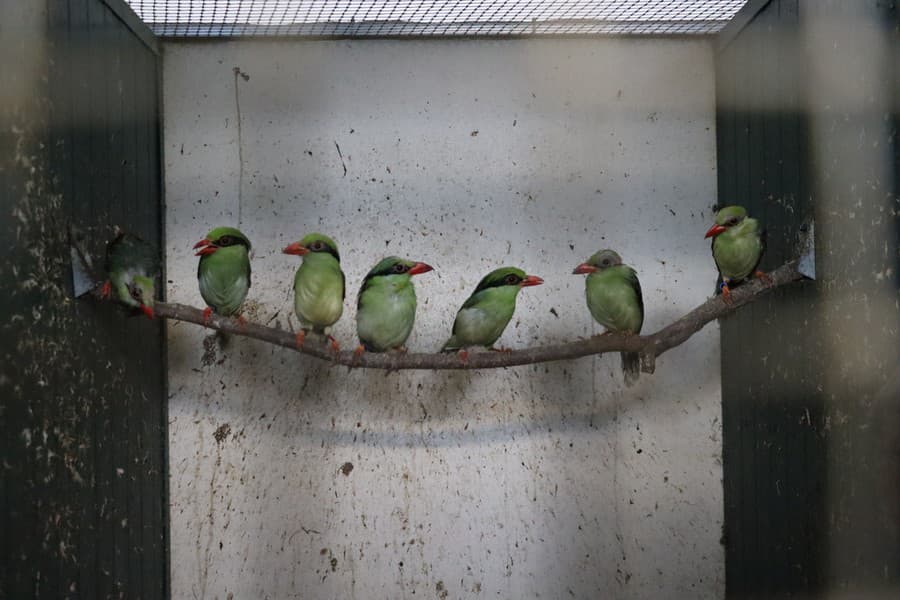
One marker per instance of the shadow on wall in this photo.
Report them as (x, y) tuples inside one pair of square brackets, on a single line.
[(445, 408)]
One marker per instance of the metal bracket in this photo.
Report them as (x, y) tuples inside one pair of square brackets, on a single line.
[(806, 250), (84, 279)]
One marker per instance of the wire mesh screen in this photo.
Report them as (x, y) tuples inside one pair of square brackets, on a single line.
[(385, 18)]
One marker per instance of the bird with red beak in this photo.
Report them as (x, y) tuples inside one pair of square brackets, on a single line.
[(485, 314), (614, 298), (132, 266), (386, 304), (737, 248), (224, 270), (318, 285)]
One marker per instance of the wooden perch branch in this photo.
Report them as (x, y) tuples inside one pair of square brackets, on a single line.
[(649, 346)]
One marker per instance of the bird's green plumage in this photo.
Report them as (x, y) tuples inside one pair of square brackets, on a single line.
[(131, 265), (737, 251), (224, 275), (319, 284), (386, 305), (614, 298), (487, 312)]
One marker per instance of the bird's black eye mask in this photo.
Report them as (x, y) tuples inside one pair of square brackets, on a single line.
[(230, 240), (320, 246), (134, 291), (512, 279), (732, 221), (399, 269)]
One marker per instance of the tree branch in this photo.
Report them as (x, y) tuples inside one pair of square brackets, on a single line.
[(648, 346)]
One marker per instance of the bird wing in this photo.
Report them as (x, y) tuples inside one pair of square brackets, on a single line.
[(729, 249), (224, 278), (763, 241), (484, 316), (615, 300), (362, 290), (128, 251), (472, 300), (385, 316), (636, 286)]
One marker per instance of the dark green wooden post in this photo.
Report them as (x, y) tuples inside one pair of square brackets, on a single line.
[(82, 385), (810, 380)]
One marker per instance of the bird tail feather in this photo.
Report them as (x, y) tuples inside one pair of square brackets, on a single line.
[(631, 367), (223, 338)]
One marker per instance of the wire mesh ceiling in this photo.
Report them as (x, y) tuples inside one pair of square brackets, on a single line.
[(386, 18)]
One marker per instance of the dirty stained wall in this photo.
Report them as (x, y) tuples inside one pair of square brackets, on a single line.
[(807, 117), (82, 382), (292, 479)]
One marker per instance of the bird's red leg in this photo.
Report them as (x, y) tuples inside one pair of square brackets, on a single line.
[(464, 356), (207, 314), (726, 294), (242, 322), (300, 337), (359, 351), (106, 289), (501, 349), (335, 347), (764, 276)]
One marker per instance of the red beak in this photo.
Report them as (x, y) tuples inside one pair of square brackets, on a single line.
[(419, 268), (531, 280), (205, 247), (147, 310), (715, 230), (296, 249), (584, 269)]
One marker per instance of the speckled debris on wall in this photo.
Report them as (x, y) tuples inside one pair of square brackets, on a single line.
[(291, 479), (807, 104), (81, 384)]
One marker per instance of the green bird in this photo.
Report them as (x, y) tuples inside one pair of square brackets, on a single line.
[(614, 298), (386, 305), (737, 247), (318, 285), (131, 266), (224, 270), (487, 312)]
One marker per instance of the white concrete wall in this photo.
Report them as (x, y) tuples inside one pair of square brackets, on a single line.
[(546, 481)]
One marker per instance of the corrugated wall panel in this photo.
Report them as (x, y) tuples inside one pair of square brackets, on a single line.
[(83, 383), (798, 446)]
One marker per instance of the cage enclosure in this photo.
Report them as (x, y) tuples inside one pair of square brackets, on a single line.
[(757, 457)]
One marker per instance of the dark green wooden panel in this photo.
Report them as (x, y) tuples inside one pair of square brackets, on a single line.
[(811, 468), (82, 384)]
